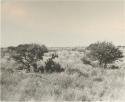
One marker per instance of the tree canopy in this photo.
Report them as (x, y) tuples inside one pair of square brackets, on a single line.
[(27, 54), (104, 52)]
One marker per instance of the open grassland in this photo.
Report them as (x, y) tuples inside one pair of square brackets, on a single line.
[(79, 82)]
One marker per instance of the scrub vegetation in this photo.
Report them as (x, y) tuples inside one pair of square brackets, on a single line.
[(32, 72)]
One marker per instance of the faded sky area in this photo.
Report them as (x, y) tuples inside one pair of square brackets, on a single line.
[(62, 23)]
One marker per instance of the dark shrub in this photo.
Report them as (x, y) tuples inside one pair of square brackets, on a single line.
[(28, 54), (86, 61), (104, 52), (58, 67), (98, 79), (52, 66), (114, 67)]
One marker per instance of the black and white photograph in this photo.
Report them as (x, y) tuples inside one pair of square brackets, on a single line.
[(62, 50)]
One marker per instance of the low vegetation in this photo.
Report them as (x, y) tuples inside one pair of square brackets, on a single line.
[(60, 75)]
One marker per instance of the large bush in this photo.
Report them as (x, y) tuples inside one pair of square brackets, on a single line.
[(28, 54), (104, 52), (52, 66)]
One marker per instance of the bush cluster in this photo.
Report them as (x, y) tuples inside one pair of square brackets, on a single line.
[(49, 66), (29, 54)]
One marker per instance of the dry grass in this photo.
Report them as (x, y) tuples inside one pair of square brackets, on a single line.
[(79, 82)]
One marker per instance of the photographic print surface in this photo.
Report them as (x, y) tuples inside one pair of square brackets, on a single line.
[(62, 50)]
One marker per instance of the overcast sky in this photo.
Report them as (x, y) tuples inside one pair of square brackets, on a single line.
[(62, 23)]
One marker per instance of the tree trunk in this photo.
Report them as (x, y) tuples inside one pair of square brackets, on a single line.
[(100, 63), (105, 65), (28, 68)]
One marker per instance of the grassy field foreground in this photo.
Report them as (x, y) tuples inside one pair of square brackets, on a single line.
[(79, 82)]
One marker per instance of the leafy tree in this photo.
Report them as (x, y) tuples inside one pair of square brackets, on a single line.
[(28, 54), (104, 52)]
